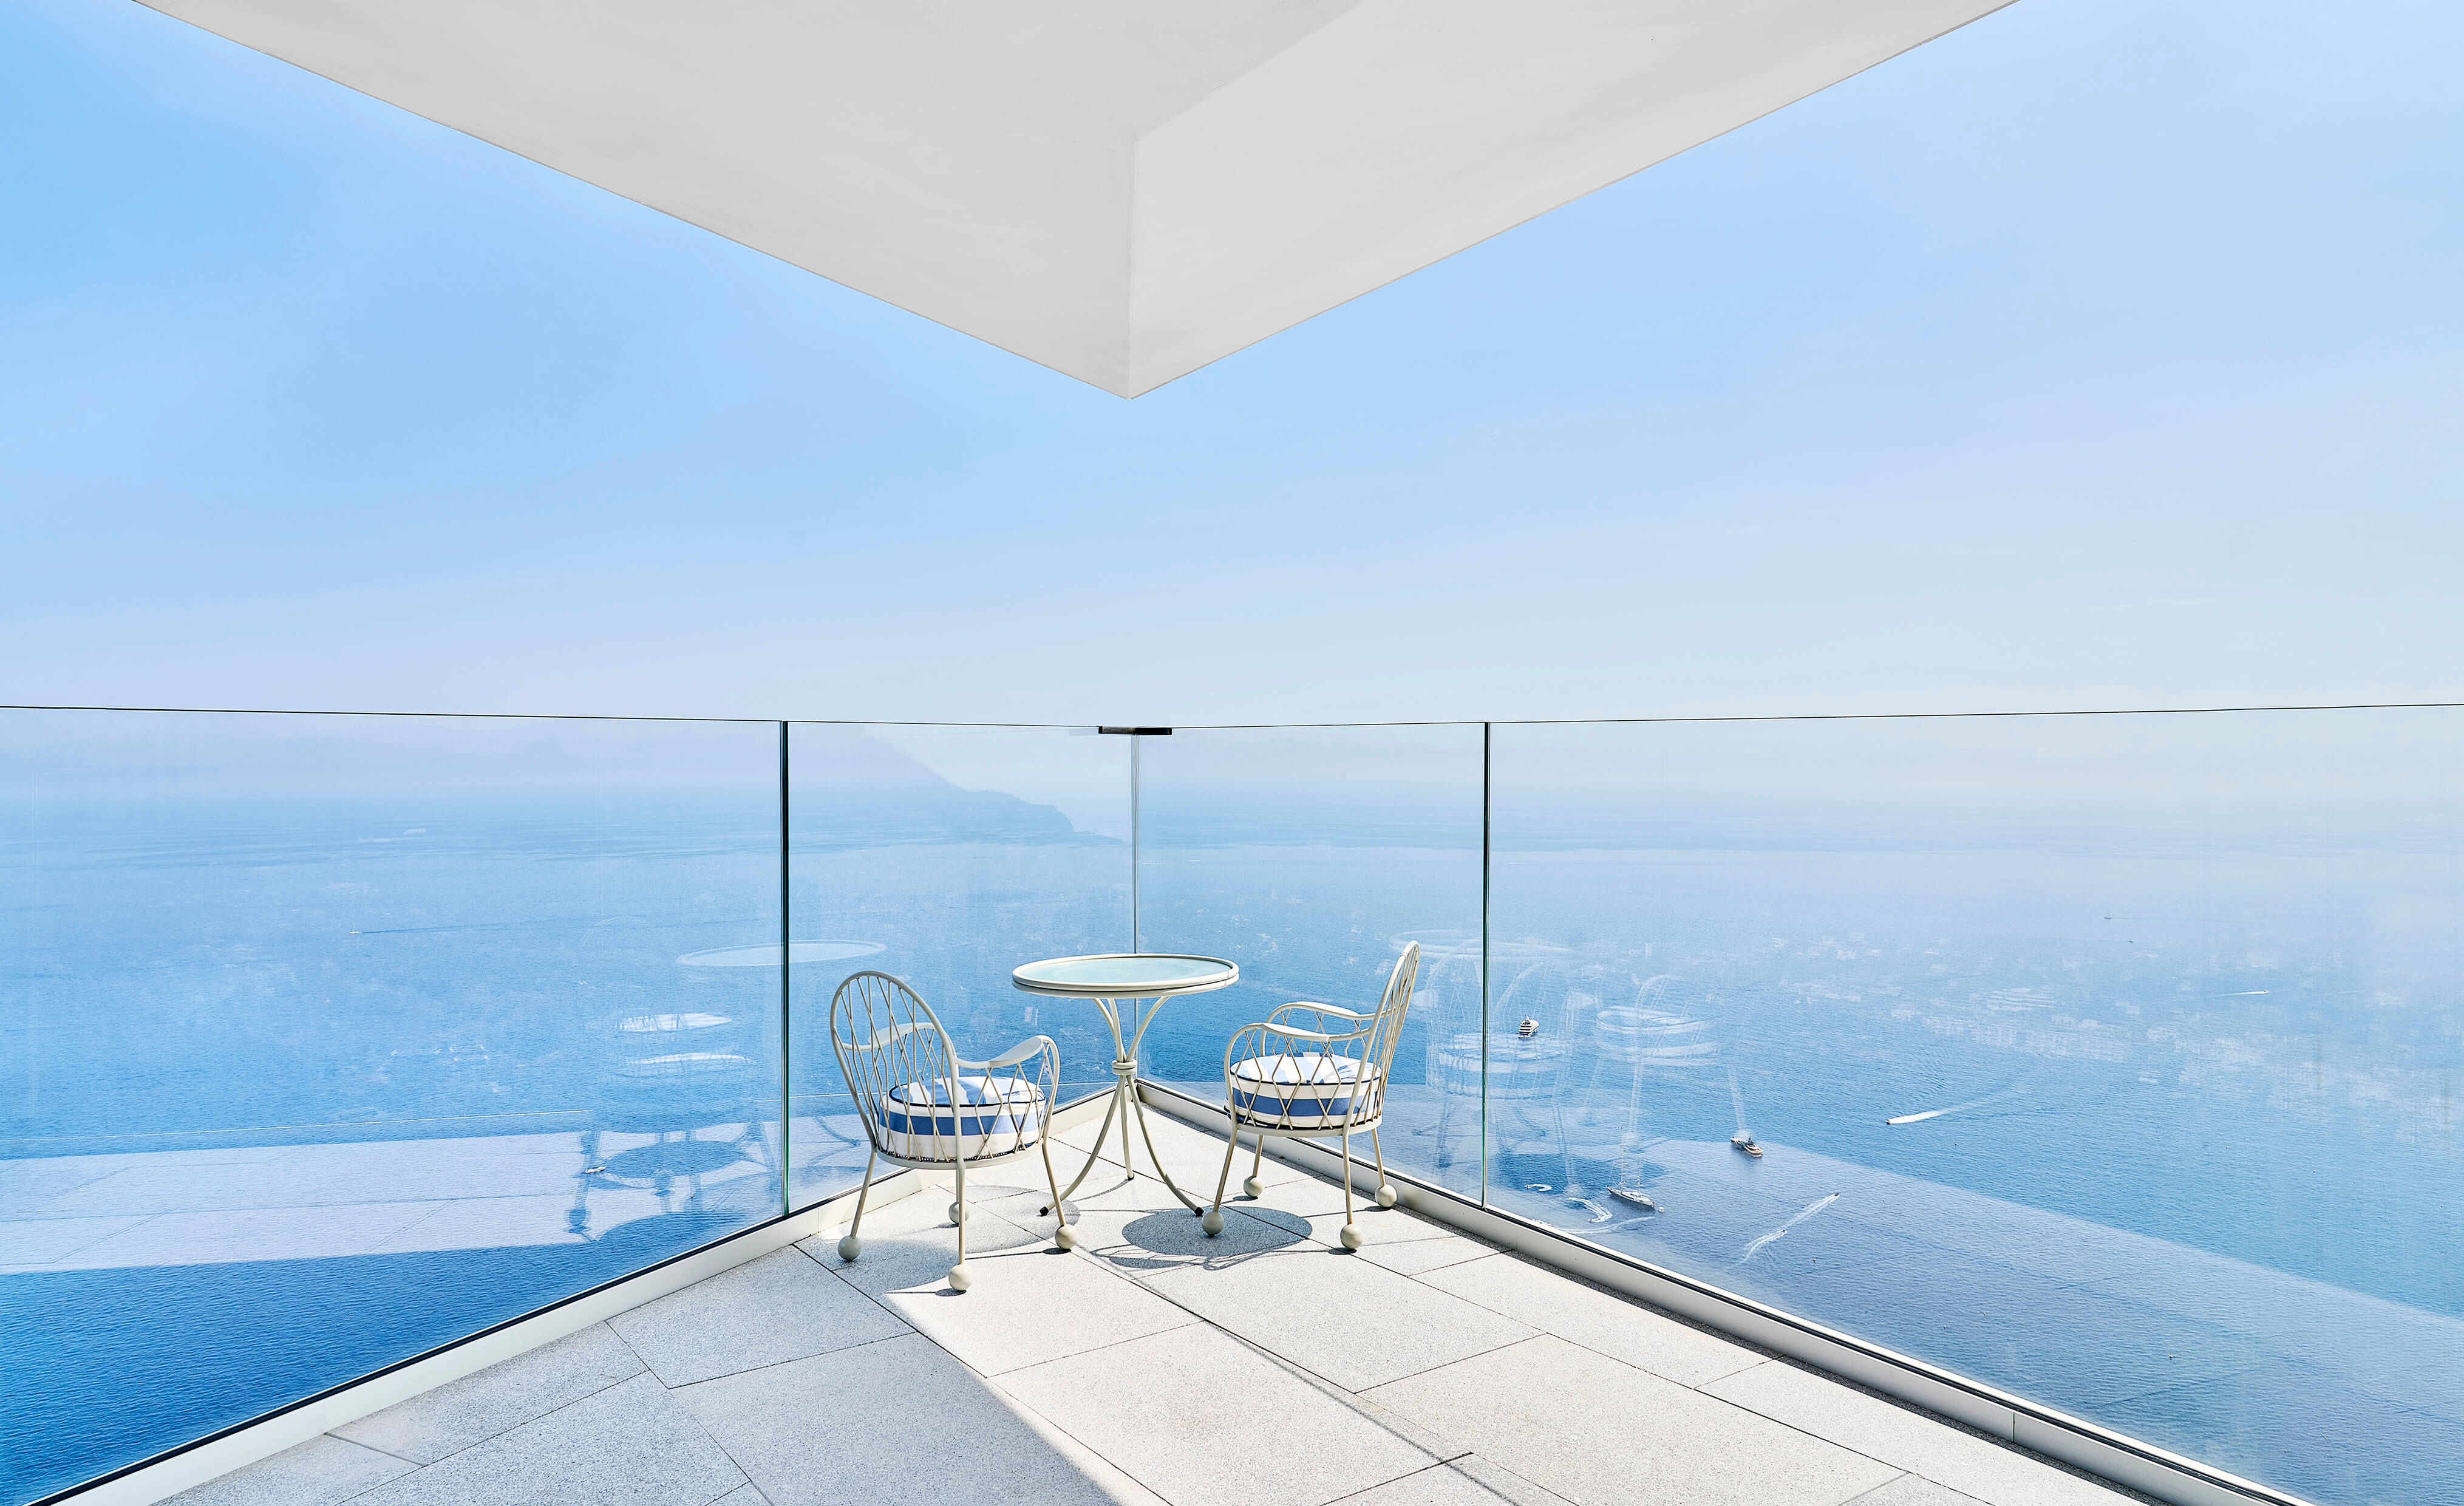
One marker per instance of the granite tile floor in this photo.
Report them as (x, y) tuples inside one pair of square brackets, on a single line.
[(1267, 1367)]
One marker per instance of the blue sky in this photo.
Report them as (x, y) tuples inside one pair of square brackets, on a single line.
[(2094, 355)]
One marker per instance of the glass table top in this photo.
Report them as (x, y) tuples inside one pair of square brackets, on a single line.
[(1126, 974)]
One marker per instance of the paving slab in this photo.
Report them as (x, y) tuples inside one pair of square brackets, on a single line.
[(1416, 1256), (1027, 1207), (780, 1307), (1106, 1477), (1921, 1445), (1437, 1485), (629, 1445), (1320, 1200), (1152, 1367), (1193, 1157), (914, 1249), (1139, 1230), (928, 1204), (1557, 1303), (894, 1420), (498, 1399), (321, 1471), (1201, 1420), (1599, 1432), (1505, 1482), (1030, 1302), (1914, 1490), (1339, 1317)]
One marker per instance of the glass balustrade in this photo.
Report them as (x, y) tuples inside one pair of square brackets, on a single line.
[(1309, 855), (327, 1040), (2108, 1060), (947, 856)]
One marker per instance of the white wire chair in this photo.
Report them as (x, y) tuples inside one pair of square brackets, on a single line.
[(1311, 1081), (927, 1108)]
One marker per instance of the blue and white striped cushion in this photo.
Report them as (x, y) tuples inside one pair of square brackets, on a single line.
[(992, 1118), (1304, 1090)]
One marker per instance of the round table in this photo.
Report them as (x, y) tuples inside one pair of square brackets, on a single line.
[(1114, 979)]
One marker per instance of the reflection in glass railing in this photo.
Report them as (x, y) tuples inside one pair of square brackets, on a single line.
[(1309, 855), (330, 1039), (955, 855), (2108, 1060)]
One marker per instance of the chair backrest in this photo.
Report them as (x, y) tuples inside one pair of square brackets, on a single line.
[(887, 1038), (1392, 1007)]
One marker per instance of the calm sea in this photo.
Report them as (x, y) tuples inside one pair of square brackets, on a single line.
[(296, 1089)]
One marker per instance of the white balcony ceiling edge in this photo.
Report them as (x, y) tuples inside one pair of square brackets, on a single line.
[(1119, 189)]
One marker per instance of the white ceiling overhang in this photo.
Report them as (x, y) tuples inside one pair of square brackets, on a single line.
[(1121, 189)]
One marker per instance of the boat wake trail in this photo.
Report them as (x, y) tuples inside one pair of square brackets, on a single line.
[(1958, 1108), (1804, 1213)]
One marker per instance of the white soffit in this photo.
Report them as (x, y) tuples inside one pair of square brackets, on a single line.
[(1121, 189)]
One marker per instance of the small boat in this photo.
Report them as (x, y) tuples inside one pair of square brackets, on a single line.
[(1743, 1138), (1636, 1196), (1530, 1028)]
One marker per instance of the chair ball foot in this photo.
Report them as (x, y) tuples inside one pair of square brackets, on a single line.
[(1065, 1238), (958, 1211), (1212, 1223), (1253, 1187), (1386, 1196), (960, 1278), (850, 1247), (1352, 1236)]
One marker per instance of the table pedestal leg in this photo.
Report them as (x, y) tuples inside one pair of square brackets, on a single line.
[(1097, 1154), (1125, 1106), (1129, 1089)]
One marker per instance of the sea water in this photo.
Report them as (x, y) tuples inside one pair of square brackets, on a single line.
[(299, 1087), (2202, 1183)]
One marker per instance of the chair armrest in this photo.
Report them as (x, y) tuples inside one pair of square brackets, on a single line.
[(1024, 1050), (1325, 1018), (1277, 1012), (1295, 1033)]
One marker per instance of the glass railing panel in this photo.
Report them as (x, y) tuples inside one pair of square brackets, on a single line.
[(327, 1040), (1309, 855), (2111, 1060), (947, 856)]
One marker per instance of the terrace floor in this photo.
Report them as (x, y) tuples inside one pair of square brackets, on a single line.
[(1264, 1368)]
